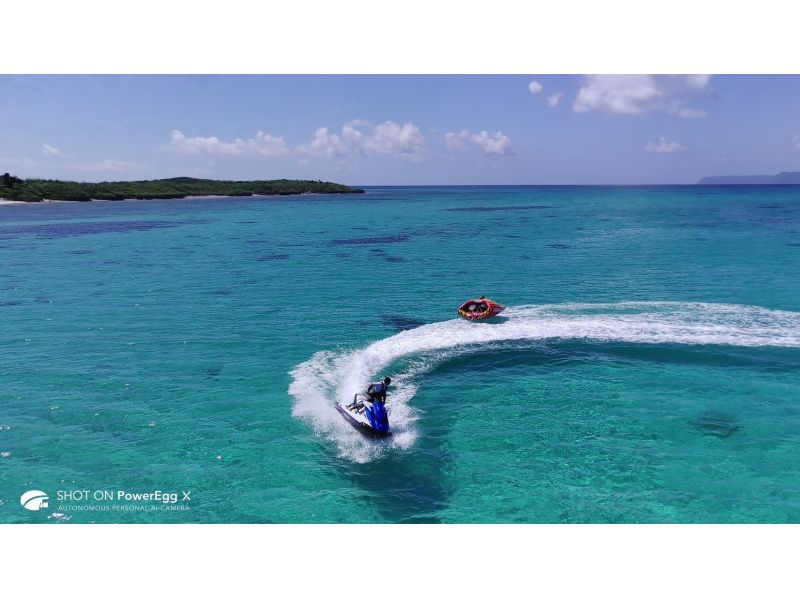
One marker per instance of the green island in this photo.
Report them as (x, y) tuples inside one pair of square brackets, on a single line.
[(33, 190)]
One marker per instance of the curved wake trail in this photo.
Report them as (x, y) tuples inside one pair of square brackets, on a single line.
[(330, 375)]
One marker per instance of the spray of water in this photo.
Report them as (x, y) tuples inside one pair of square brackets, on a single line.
[(335, 376)]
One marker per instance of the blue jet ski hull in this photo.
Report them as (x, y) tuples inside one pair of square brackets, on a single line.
[(360, 423)]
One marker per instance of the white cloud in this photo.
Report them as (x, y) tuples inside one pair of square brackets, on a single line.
[(554, 99), (262, 144), (497, 144), (360, 136), (49, 150), (391, 138), (796, 141), (662, 146), (535, 87), (638, 94), (456, 140), (324, 144)]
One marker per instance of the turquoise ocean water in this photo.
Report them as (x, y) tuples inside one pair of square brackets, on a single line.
[(647, 368)]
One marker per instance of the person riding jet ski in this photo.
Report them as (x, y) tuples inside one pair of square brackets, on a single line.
[(377, 390), (369, 416)]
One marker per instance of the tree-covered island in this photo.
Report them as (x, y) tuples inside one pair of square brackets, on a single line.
[(32, 190)]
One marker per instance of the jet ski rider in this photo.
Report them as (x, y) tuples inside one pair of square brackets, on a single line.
[(377, 390)]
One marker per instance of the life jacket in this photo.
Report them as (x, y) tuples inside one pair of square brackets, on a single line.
[(377, 388)]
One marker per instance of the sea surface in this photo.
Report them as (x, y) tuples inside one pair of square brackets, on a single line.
[(647, 369)]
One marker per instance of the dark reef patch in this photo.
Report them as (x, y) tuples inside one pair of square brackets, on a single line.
[(392, 259), (496, 208), (271, 257), (222, 292), (400, 323), (73, 229), (10, 303), (80, 251), (559, 246), (793, 245), (372, 240), (716, 424)]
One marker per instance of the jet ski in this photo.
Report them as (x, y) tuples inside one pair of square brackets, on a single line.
[(480, 309), (366, 416)]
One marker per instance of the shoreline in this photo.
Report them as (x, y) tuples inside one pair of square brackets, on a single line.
[(42, 190), (9, 202)]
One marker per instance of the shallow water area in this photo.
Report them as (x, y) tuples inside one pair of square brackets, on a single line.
[(647, 368)]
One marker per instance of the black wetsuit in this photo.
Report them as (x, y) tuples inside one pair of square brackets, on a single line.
[(377, 390)]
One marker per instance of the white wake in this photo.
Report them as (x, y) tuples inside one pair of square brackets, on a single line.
[(330, 375)]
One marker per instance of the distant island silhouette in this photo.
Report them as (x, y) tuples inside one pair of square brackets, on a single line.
[(34, 190), (782, 178)]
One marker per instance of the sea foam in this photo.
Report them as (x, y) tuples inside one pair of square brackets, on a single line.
[(335, 376)]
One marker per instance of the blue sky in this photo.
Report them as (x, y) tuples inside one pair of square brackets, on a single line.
[(401, 130)]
